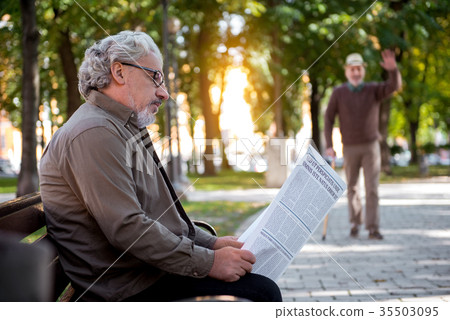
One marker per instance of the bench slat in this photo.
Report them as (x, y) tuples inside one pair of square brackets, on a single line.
[(60, 281), (14, 205), (25, 221)]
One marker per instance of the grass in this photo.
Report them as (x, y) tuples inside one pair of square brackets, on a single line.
[(8, 185), (224, 216), (228, 180), (231, 180), (402, 174), (35, 235)]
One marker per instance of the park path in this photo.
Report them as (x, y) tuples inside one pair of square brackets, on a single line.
[(412, 263)]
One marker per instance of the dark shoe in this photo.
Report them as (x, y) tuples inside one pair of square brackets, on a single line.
[(375, 235), (354, 232)]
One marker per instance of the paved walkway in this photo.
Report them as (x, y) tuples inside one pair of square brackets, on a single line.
[(412, 263), (7, 196)]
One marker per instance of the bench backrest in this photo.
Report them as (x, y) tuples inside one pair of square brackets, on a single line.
[(24, 216)]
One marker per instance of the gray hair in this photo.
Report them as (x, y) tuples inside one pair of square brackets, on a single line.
[(126, 46)]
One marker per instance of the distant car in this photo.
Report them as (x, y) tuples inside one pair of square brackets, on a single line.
[(401, 159), (433, 159), (6, 169)]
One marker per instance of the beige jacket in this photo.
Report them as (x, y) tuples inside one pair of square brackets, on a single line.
[(109, 210)]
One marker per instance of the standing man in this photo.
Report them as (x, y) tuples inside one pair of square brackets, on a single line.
[(120, 231), (357, 105)]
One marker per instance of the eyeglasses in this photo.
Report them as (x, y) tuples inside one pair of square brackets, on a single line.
[(157, 77)]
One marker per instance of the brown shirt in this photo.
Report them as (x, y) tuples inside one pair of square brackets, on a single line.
[(107, 206), (358, 111)]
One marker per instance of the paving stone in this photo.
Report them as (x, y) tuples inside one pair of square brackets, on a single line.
[(412, 263)]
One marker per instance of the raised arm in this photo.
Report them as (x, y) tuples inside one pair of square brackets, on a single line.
[(394, 82), (388, 62)]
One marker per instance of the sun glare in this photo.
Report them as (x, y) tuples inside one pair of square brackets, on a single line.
[(235, 115), (235, 123)]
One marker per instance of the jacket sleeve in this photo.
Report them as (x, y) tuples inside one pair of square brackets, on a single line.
[(204, 238), (105, 185), (330, 115), (392, 84)]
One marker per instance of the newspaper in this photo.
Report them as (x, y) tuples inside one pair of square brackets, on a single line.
[(285, 226)]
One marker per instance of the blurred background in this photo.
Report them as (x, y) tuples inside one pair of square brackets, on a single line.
[(249, 80)]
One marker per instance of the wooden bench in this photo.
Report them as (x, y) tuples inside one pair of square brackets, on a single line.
[(24, 216)]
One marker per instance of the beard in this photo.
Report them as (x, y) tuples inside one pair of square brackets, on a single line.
[(145, 116)]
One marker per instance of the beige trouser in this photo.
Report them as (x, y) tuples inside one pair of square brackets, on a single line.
[(368, 157)]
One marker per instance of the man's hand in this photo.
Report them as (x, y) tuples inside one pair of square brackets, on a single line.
[(230, 264), (227, 241), (388, 62), (330, 152)]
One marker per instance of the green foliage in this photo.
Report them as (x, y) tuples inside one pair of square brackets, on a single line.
[(278, 40), (428, 148), (86, 22), (10, 59), (395, 149), (299, 33), (419, 30)]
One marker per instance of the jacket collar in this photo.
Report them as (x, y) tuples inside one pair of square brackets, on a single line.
[(119, 111)]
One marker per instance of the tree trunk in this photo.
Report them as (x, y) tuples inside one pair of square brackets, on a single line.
[(70, 73), (28, 177), (383, 129), (413, 127), (316, 97), (210, 121), (167, 107), (210, 170), (275, 71), (279, 133), (225, 163), (278, 105)]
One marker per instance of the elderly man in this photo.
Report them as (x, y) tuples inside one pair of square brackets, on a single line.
[(358, 105), (120, 231)]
